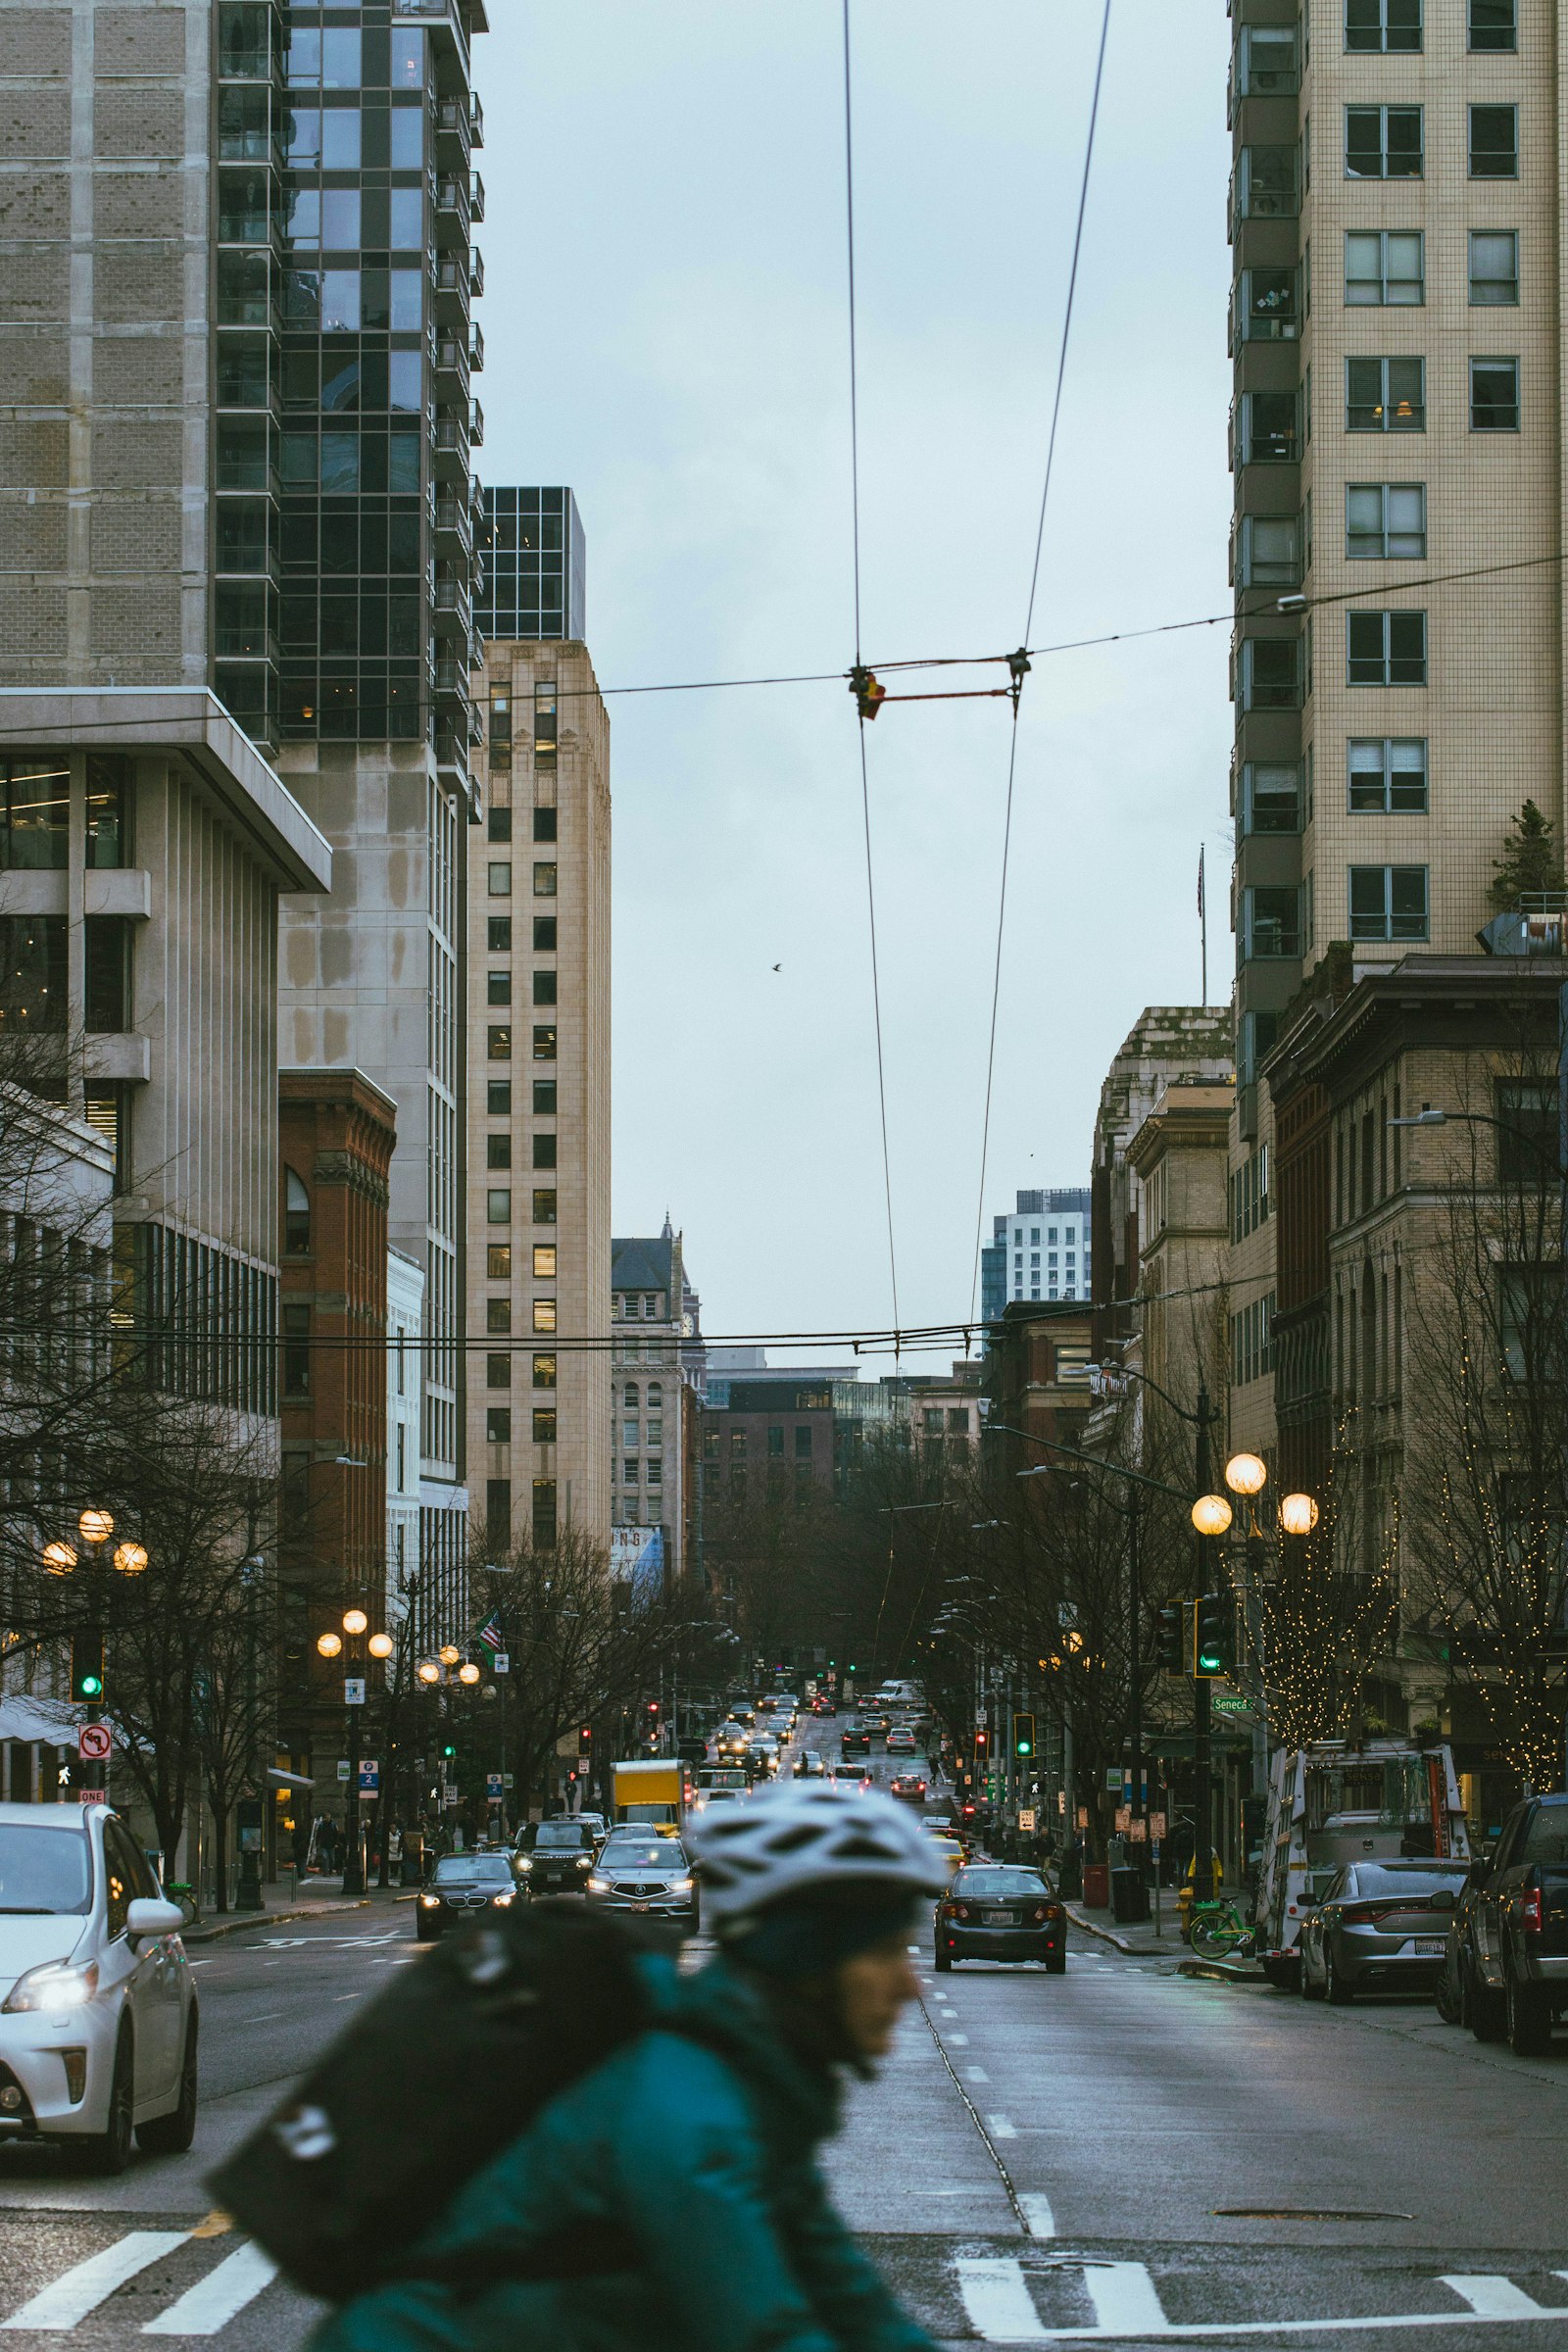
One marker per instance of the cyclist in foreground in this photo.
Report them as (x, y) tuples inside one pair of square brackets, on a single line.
[(670, 2198)]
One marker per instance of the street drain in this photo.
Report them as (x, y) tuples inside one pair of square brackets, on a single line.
[(1308, 2213)]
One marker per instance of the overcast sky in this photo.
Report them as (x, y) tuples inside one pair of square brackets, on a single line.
[(667, 333)]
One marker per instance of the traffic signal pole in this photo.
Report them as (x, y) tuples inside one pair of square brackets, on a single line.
[(1202, 1711)]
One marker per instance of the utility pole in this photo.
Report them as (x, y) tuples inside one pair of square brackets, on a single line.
[(1135, 1653), (1202, 1711)]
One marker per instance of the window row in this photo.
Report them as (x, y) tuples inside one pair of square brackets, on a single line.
[(1252, 1342), (499, 1042), (1385, 268), (498, 987), (1386, 775), (1389, 142), (1388, 395), (498, 880), (498, 934), (1269, 57), (498, 1424), (1388, 903), (1382, 649), (498, 1254)]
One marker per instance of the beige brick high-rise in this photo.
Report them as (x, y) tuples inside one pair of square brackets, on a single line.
[(538, 1185), (1395, 329)]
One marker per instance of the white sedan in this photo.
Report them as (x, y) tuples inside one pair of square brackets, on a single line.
[(97, 2009)]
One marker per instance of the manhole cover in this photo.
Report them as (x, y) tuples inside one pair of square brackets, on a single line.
[(1308, 2213)]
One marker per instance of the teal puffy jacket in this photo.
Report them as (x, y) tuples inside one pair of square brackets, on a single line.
[(692, 2162)]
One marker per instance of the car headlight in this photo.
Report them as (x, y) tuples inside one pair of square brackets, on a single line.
[(680, 1886), (430, 1902), (598, 1885), (55, 1987), (507, 1896), (525, 1862), (583, 1861)]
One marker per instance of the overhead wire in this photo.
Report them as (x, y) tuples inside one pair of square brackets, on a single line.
[(1034, 587), (865, 782)]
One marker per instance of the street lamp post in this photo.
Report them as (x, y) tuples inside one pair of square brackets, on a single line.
[(355, 1626)]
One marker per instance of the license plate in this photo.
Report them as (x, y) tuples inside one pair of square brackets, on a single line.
[(640, 1906), (995, 1919), (1429, 1947)]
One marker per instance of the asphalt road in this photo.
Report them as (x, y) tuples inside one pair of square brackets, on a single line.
[(1120, 2154)]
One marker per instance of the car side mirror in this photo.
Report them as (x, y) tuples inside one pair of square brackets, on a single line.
[(1441, 1901), (147, 1917)]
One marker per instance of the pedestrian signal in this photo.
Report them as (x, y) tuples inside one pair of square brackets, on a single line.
[(87, 1666), (1023, 1735), (1172, 1648), (1214, 1636)]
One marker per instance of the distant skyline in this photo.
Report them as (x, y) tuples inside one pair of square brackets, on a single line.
[(665, 234)]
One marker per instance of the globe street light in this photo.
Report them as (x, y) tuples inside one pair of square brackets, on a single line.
[(1298, 1514), (131, 1558), (1245, 1473), (1212, 1514), (330, 1646)]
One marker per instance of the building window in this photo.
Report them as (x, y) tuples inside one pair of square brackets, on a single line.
[(1386, 267), (1387, 775), (498, 988), (544, 1513), (497, 930), (499, 1046), (544, 1151), (1271, 798), (1270, 429), (1385, 396), (545, 717), (544, 825), (543, 1098), (498, 1150), (498, 1371), (498, 1098), (1529, 1314), (1527, 1131), (1270, 305), (1271, 673), (1493, 396), (1270, 551), (544, 1425), (656, 1473), (545, 880), (109, 810), (501, 730), (35, 815), (1493, 24), (803, 1441), (1383, 23), (296, 1351), (1385, 521), (1388, 902), (544, 1371), (1383, 142), (498, 1314), (296, 1215), (501, 824), (737, 1444), (1386, 649), (544, 1314), (544, 988), (498, 1208), (632, 1472), (544, 1261), (498, 1261), (544, 1042), (1266, 62), (498, 1424), (544, 934), (1266, 185), (544, 1207), (1494, 266), (1271, 922), (500, 881), (498, 1513), (1494, 142), (1252, 1341)]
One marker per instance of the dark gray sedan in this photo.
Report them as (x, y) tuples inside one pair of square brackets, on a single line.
[(1381, 1927), (995, 1911), (654, 1875), (465, 1888)]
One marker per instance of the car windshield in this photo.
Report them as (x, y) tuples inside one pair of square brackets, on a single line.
[(43, 1871), (1547, 1839), (1372, 1878), (988, 1882), (648, 1857), (559, 1832), (467, 1867)]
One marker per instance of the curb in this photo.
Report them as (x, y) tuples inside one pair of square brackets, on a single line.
[(1139, 1951), (1221, 1972), (210, 1929)]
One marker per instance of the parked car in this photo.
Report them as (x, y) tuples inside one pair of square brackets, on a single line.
[(1513, 1960), (650, 1874), (98, 2017), (557, 1857), (463, 1887), (1381, 1927), (997, 1911)]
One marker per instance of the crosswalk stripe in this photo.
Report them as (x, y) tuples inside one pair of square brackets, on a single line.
[(1493, 2299), (80, 2290), (213, 2300), (1037, 2216), (997, 2298), (1124, 2299)]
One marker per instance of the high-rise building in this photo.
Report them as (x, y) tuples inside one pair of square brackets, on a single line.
[(535, 560), (1039, 1251), (235, 307), (656, 1370), (538, 1109)]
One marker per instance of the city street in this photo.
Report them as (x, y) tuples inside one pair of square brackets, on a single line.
[(1122, 2152)]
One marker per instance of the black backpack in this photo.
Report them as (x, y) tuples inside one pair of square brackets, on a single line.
[(446, 2066)]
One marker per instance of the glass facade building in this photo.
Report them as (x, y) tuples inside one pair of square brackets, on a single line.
[(534, 556)]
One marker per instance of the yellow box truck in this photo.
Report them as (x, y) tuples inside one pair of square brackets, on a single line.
[(648, 1790)]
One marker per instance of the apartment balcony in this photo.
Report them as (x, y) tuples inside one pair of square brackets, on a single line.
[(475, 426), (476, 197), (454, 527), (475, 273), (476, 119), (444, 20), (454, 133), (476, 347), (454, 607), (452, 212), (451, 447), (452, 368), (453, 291)]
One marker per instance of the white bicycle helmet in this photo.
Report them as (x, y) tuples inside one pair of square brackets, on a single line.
[(793, 1840)]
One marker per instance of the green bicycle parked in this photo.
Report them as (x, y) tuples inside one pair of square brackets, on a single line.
[(1218, 1932)]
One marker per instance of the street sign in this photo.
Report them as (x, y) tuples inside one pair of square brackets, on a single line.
[(1026, 1817), (492, 1786), (342, 1768), (1124, 1820), (1114, 1779), (1138, 1830), (370, 1777), (354, 1691), (92, 1797), (501, 1663), (1157, 1828), (92, 1742)]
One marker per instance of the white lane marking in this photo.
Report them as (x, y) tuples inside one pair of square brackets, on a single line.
[(209, 2305), (958, 2041), (997, 2300), (266, 2018), (1002, 2127), (977, 2074), (1037, 2216), (1491, 2298), (80, 2290), (1124, 2299)]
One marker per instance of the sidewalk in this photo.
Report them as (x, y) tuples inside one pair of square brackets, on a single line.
[(1138, 1939), (313, 1898)]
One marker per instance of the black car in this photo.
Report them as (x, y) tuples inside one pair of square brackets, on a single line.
[(650, 1874), (995, 1911), (557, 1858), (854, 1740), (465, 1886), (1512, 1958)]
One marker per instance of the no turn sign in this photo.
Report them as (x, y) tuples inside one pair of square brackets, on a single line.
[(93, 1742)]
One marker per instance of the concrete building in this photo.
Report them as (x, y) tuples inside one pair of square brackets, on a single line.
[(538, 1055), (1036, 1382), (1039, 1251), (943, 1412), (655, 1322), (1179, 1158), (236, 281)]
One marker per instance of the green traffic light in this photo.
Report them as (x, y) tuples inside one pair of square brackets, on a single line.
[(449, 1749), (1209, 1660), (92, 1685)]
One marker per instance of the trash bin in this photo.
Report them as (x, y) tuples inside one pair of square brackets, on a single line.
[(1070, 1876), (1129, 1896), (1097, 1885)]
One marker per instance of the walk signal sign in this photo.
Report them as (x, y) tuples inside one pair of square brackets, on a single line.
[(1214, 1636), (87, 1666), (1023, 1735), (1172, 1644)]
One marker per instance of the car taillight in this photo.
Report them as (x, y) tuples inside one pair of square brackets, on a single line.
[(1050, 1911), (1040, 1913), (961, 1911), (1531, 1919)]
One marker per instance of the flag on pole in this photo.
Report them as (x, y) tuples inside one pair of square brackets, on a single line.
[(490, 1633)]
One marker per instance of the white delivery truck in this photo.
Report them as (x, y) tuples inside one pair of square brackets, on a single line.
[(1328, 1804)]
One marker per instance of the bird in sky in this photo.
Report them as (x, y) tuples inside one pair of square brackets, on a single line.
[(778, 967)]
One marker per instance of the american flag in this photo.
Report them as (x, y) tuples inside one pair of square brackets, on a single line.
[(490, 1633)]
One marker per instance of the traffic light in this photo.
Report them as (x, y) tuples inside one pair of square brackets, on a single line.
[(88, 1665), (1023, 1735), (982, 1741), (1172, 1649), (585, 1741), (1214, 1636), (450, 1748)]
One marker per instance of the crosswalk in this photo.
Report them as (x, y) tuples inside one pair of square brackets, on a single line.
[(1102, 2301), (204, 2308)]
